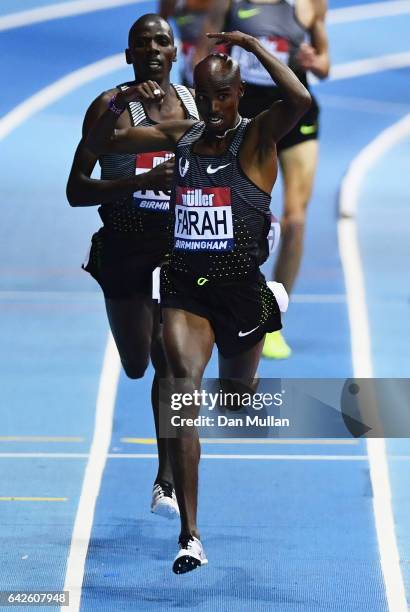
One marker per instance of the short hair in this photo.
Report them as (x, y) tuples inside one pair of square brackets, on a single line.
[(145, 18), (230, 66)]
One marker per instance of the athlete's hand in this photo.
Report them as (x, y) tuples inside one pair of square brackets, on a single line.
[(306, 56), (143, 92), (234, 38), (160, 178)]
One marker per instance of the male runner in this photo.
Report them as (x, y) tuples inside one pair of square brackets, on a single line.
[(135, 211), (282, 27), (212, 290)]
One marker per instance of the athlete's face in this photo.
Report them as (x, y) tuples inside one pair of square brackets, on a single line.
[(217, 104), (151, 50), (217, 95)]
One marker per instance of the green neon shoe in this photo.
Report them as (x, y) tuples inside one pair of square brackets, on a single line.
[(275, 346)]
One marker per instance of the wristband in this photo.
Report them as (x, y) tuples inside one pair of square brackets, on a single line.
[(114, 108)]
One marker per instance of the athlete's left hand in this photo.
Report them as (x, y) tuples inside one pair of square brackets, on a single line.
[(306, 56), (233, 38)]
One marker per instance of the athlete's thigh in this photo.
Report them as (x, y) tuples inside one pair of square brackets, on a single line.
[(241, 366), (188, 341), (298, 165), (131, 321)]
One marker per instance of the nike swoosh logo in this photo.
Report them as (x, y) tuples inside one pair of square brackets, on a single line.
[(242, 334), (306, 130), (211, 170), (248, 13)]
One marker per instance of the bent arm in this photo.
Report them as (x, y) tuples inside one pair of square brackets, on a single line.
[(82, 190), (103, 138)]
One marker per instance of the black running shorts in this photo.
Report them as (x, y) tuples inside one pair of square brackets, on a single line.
[(258, 98), (122, 262), (240, 312)]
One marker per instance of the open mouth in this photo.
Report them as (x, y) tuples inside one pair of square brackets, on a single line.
[(215, 121), (154, 64)]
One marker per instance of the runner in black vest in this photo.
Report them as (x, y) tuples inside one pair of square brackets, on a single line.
[(212, 290), (135, 237), (282, 27)]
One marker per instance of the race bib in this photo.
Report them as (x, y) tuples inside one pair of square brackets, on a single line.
[(274, 234), (203, 219), (252, 70), (147, 199)]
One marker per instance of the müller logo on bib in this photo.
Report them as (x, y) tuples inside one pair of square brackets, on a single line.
[(203, 219), (146, 199)]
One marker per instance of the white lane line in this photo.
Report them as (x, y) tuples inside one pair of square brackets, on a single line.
[(362, 12), (251, 457), (57, 90), (367, 105), (292, 442), (362, 360), (348, 70), (204, 456), (57, 11), (93, 475), (359, 167)]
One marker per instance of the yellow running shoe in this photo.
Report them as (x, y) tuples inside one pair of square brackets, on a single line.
[(275, 346)]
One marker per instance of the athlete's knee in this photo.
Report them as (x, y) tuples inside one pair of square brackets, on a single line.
[(135, 368), (293, 224), (185, 369)]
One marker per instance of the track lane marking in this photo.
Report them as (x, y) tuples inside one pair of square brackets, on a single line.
[(314, 441), (362, 356), (94, 470)]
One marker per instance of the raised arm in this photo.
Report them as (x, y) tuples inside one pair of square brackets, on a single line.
[(82, 190), (315, 56), (272, 124), (103, 138)]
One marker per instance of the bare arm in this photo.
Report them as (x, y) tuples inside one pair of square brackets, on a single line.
[(315, 57), (103, 138), (82, 190)]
